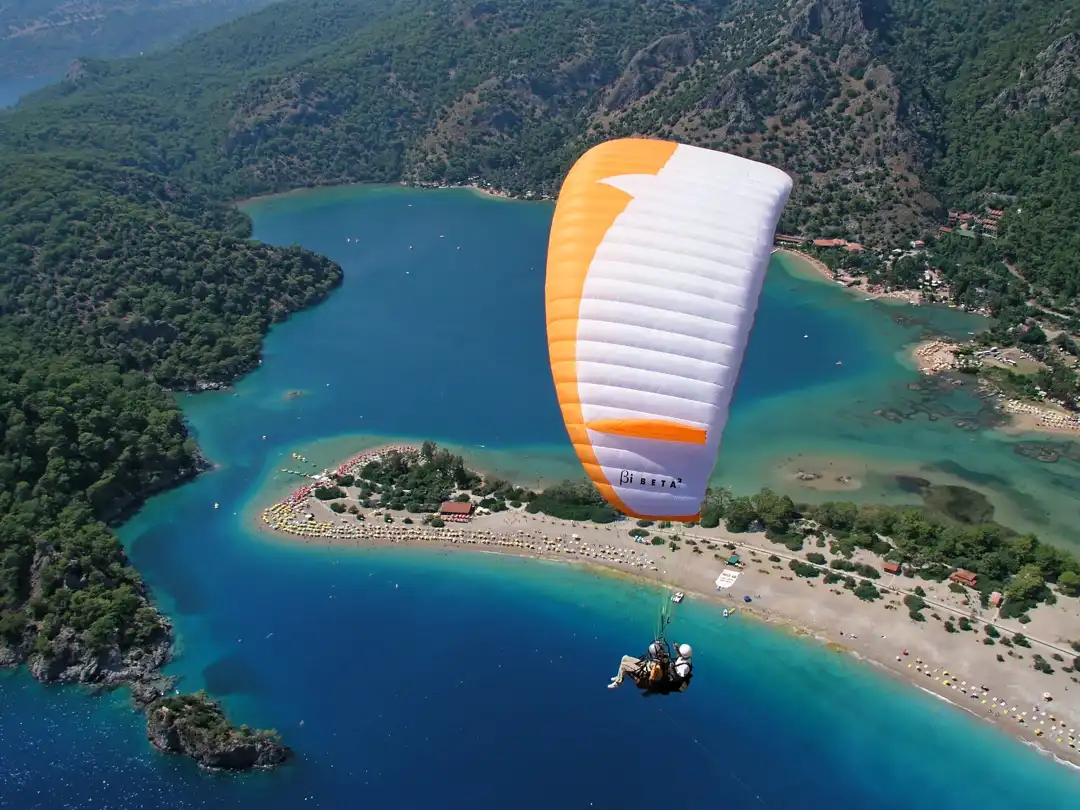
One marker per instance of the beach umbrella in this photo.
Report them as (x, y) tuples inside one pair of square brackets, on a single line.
[(656, 259)]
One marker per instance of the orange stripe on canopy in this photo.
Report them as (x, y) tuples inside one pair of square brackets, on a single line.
[(658, 429)]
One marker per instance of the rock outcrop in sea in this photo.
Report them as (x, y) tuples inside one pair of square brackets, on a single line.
[(196, 726)]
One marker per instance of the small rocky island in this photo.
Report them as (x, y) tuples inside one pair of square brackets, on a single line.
[(196, 726)]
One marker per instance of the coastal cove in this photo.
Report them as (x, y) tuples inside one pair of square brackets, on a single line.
[(473, 281), (282, 633)]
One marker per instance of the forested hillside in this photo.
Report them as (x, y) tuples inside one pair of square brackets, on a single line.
[(887, 112), (120, 258)]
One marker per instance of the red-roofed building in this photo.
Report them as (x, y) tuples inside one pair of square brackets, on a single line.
[(456, 511), (968, 579), (785, 239), (995, 599), (829, 242), (892, 568)]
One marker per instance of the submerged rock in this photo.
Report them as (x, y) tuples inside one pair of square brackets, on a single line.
[(196, 726)]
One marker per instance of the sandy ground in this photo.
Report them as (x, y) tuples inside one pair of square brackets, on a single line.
[(957, 666)]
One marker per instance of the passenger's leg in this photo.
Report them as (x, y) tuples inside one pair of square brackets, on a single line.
[(629, 664)]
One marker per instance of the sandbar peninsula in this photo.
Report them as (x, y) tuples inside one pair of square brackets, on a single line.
[(1009, 655)]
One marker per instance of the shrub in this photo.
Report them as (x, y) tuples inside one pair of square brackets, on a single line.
[(914, 603), (802, 569), (867, 592), (1042, 665)]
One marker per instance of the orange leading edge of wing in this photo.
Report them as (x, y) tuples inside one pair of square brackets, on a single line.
[(658, 429), (587, 208)]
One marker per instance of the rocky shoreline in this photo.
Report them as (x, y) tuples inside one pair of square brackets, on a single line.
[(69, 658), (191, 725)]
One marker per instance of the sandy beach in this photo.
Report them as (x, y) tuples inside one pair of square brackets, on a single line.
[(488, 191), (855, 284), (994, 681), (1029, 417), (934, 356)]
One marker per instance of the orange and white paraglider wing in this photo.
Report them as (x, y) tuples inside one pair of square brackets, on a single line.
[(655, 264)]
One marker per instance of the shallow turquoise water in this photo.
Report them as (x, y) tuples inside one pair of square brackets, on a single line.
[(431, 679)]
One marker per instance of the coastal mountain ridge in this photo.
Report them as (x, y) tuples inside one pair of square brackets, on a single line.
[(126, 273), (887, 113), (40, 37)]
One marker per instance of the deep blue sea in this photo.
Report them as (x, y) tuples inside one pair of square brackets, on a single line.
[(421, 679)]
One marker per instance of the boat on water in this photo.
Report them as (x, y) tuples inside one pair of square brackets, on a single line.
[(678, 597), (729, 611)]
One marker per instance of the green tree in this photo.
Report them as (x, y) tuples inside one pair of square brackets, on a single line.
[(1026, 585), (1069, 582)]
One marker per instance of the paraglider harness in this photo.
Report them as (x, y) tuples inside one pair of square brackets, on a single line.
[(656, 675)]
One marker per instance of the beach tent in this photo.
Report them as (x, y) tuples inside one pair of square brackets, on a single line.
[(656, 260)]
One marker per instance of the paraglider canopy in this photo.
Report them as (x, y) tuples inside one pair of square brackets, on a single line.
[(655, 263)]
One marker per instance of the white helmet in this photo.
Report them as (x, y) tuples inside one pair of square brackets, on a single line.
[(685, 650), (654, 649)]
